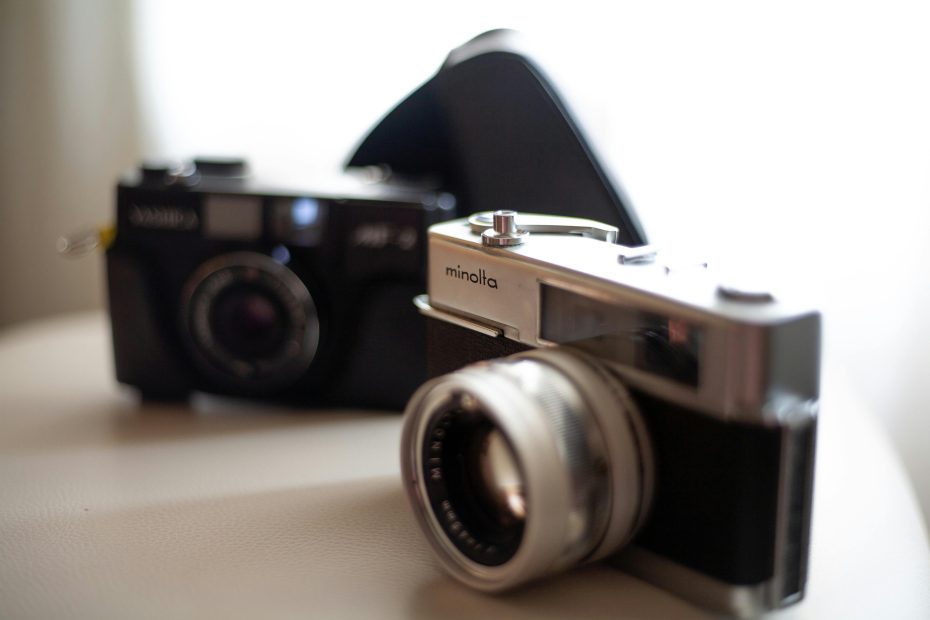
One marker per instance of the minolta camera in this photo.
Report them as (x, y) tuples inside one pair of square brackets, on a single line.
[(628, 407), (225, 284)]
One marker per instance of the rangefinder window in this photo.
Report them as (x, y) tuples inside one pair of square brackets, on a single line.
[(663, 345), (230, 216)]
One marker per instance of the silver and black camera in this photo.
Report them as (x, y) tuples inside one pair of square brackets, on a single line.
[(626, 408)]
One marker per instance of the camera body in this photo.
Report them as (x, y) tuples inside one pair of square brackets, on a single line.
[(646, 413), (219, 283)]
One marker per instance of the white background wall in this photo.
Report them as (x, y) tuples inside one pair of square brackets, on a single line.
[(792, 138)]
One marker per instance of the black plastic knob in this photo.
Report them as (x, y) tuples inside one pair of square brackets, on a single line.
[(228, 167), (155, 171)]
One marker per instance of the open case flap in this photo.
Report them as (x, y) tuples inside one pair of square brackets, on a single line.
[(491, 128)]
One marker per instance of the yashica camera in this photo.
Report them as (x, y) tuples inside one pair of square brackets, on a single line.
[(593, 400), (223, 284), (220, 284)]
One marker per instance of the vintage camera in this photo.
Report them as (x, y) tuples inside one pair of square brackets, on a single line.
[(219, 283), (644, 412), (223, 284)]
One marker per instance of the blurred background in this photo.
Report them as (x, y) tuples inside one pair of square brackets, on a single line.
[(792, 139)]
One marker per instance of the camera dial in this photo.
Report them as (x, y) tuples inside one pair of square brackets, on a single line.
[(525, 465), (249, 321)]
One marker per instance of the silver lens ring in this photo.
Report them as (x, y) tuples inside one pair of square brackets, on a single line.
[(556, 414), (629, 449), (289, 304)]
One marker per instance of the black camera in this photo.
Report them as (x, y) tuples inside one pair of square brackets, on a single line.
[(219, 283), (618, 404)]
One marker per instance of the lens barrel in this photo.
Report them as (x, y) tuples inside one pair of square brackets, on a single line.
[(249, 321), (525, 465)]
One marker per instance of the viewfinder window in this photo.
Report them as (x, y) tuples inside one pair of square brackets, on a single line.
[(663, 345)]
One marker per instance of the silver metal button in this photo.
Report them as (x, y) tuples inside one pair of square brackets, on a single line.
[(505, 232)]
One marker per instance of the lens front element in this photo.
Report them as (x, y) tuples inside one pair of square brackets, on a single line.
[(501, 481), (472, 476), (249, 321)]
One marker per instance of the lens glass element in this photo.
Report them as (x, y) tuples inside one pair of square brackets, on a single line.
[(499, 479), (474, 483), (249, 321)]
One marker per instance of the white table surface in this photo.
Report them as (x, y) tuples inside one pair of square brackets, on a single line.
[(111, 509)]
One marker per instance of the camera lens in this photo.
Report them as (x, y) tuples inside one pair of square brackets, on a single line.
[(250, 322), (525, 465)]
